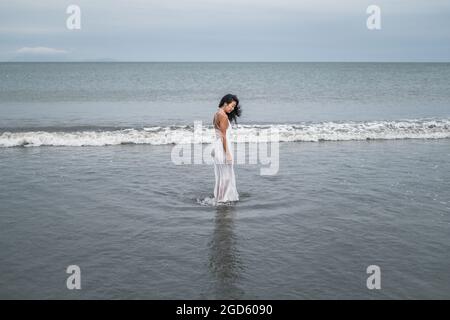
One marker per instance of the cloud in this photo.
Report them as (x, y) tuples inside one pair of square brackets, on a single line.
[(225, 30), (40, 51)]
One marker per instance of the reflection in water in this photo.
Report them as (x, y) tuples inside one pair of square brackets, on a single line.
[(224, 262)]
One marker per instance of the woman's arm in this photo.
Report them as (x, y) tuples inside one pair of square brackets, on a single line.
[(223, 126)]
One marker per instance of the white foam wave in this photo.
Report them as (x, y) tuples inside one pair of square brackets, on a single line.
[(323, 131)]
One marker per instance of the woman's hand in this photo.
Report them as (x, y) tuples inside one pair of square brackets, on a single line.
[(229, 159)]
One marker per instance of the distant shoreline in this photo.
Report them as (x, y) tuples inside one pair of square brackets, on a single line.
[(321, 62)]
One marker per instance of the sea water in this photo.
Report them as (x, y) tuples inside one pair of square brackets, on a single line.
[(87, 179)]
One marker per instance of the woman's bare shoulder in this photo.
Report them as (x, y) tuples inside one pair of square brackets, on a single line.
[(221, 115), (221, 119)]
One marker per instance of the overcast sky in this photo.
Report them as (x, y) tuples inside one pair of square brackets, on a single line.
[(225, 30)]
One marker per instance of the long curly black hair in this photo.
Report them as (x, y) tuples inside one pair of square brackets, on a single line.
[(237, 111)]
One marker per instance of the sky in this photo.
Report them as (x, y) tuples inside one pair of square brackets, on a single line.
[(225, 30)]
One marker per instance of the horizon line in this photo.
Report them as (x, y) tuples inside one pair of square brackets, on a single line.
[(219, 61)]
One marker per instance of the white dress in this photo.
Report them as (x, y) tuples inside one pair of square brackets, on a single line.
[(225, 187)]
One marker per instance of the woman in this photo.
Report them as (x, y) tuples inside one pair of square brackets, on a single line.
[(225, 188)]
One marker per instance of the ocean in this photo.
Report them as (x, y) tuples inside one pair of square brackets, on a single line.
[(88, 179)]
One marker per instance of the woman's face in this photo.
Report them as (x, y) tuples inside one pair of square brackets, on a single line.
[(229, 107)]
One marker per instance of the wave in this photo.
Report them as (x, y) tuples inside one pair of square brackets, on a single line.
[(156, 135)]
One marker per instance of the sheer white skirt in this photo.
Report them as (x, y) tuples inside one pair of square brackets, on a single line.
[(225, 187)]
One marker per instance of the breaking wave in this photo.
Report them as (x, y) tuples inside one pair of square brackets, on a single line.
[(321, 131)]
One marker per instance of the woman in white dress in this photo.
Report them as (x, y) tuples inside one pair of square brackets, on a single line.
[(225, 187)]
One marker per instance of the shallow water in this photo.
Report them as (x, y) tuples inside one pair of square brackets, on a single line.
[(131, 220)]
